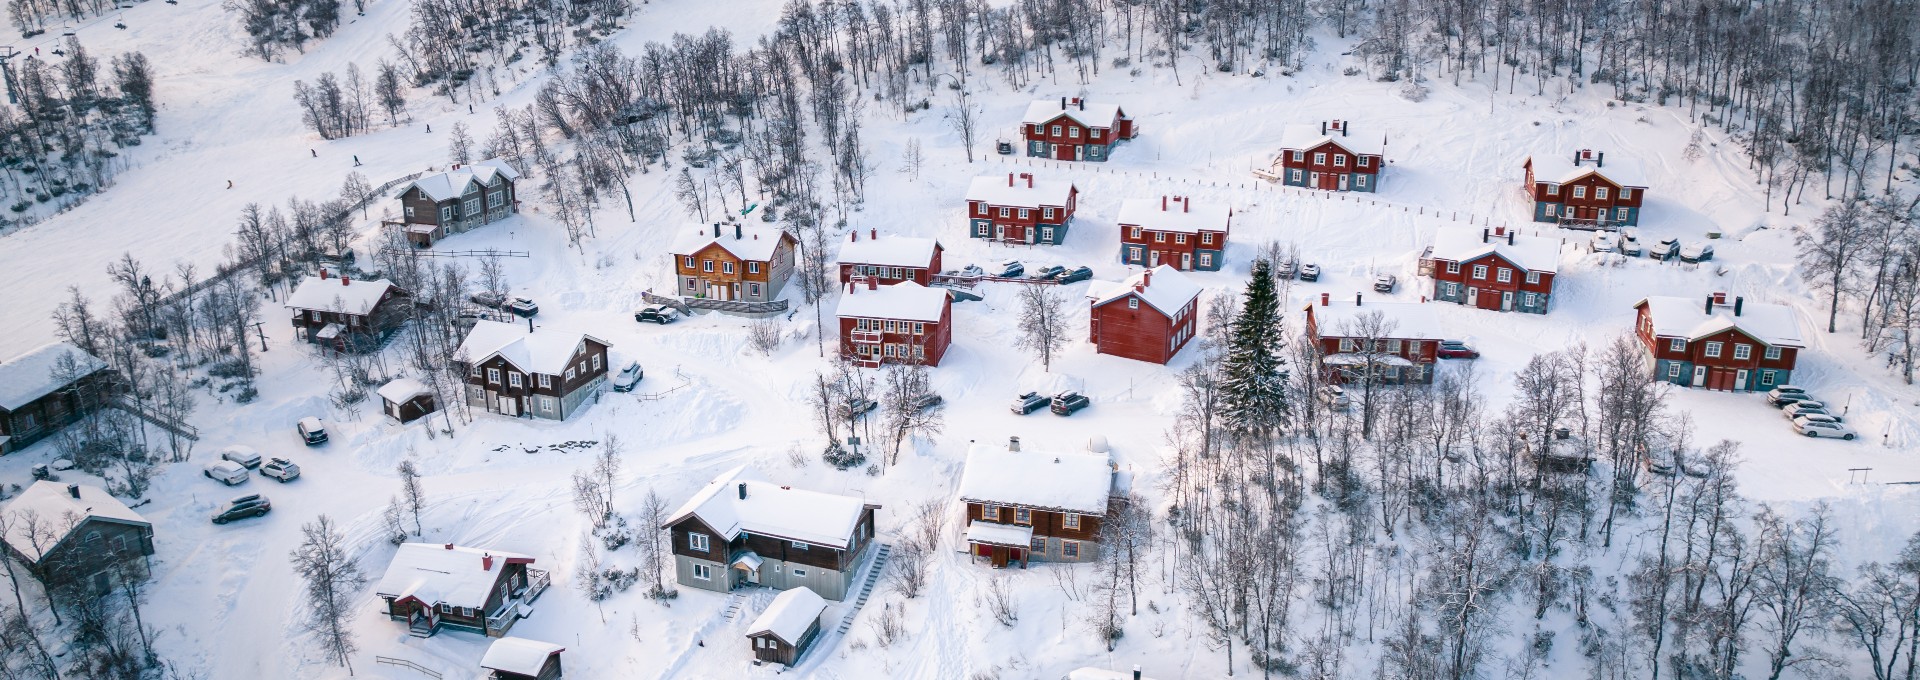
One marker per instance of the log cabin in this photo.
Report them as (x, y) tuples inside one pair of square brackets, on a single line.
[(1493, 268), (1148, 317), (1328, 157), (1020, 209), (432, 586), (732, 262), (406, 400), (461, 198), (48, 388), (514, 370), (905, 323), (1035, 506), (1716, 344), (787, 628), (513, 658), (738, 532), (891, 259), (1578, 190), (1394, 343), (76, 536), (1074, 130), (1173, 231), (345, 315)]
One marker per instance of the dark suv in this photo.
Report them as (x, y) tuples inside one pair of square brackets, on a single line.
[(244, 507), (1065, 403)]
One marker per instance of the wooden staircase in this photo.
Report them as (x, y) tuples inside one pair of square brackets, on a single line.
[(134, 409), (866, 586)]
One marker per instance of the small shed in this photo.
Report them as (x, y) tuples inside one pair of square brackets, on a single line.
[(512, 658), (782, 633), (406, 400)]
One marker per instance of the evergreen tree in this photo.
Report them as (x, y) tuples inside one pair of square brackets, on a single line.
[(1254, 392)]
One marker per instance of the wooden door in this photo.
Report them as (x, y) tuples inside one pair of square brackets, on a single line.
[(1063, 152)]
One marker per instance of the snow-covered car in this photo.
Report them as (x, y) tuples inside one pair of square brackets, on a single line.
[(856, 407), (1011, 269), (1309, 272), (1603, 242), (1804, 407), (1385, 283), (280, 469), (1029, 402), (1787, 394), (628, 377), (959, 295), (1822, 428), (972, 270), (660, 314), (1076, 275), (244, 455), (927, 401), (1822, 417), (253, 505), (226, 472), (1285, 269), (1630, 242), (1047, 273), (1333, 396), (1665, 249), (1455, 349), (1066, 403), (311, 430), (523, 307), (489, 299), (1696, 252)]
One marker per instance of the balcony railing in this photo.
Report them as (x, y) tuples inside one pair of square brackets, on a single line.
[(866, 337)]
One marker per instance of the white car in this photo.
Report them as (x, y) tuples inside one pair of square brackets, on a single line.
[(1604, 242), (1807, 407), (226, 472), (1822, 428), (1696, 252), (1334, 397), (243, 455), (628, 377), (1630, 242)]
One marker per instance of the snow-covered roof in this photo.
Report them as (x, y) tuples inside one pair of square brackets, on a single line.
[(794, 514), (1019, 192), (995, 533), (338, 294), (1163, 287), (453, 183), (1410, 320), (434, 573), (1462, 244), (1091, 673), (1086, 113), (745, 241), (1175, 213), (1678, 317), (519, 655), (1559, 168), (29, 376), (58, 512), (401, 389), (903, 300), (546, 351), (891, 251), (789, 615), (1303, 136), (1074, 482)]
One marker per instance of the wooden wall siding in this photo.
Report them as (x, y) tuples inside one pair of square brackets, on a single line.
[(772, 276), (1695, 351), (1332, 165), (411, 409), (1045, 522), (561, 389), (81, 559), (549, 671), (56, 410), (936, 340), (363, 330), (427, 211), (1143, 334)]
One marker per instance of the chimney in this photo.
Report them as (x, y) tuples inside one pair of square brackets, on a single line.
[(1083, 103), (449, 546), (743, 491), (1576, 159), (73, 490), (1009, 179), (1186, 204), (716, 230), (323, 273), (1063, 103), (1343, 130), (486, 562), (1720, 299), (346, 280), (873, 233), (1483, 236), (1601, 161), (1737, 304), (1163, 203), (1029, 177), (1509, 238), (1709, 305), (1146, 278), (1356, 299), (736, 232), (1136, 672), (1325, 298), (873, 283), (1013, 444), (855, 235)]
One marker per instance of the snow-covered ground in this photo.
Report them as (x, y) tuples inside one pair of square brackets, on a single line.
[(227, 602)]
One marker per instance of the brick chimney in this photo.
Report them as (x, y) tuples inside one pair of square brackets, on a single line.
[(1146, 278), (1029, 177), (873, 233), (1720, 298), (855, 235), (1186, 204), (486, 562), (346, 280), (449, 546), (1163, 203), (1325, 299), (323, 273), (1082, 101), (873, 283), (1009, 179)]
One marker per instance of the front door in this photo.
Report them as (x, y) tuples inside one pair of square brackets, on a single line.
[(1000, 232), (1473, 296), (1186, 261), (753, 576), (1063, 152), (1313, 180), (1506, 301), (1699, 376), (1343, 182), (735, 292), (509, 405), (1740, 380), (1153, 258)]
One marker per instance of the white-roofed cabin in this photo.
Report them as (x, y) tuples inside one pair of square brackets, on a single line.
[(890, 259), (432, 586), (732, 262), (1580, 190), (1493, 268), (1716, 344), (1399, 346), (461, 198), (1149, 316), (48, 388), (1035, 506), (787, 628), (738, 532), (1330, 157), (346, 314), (905, 323), (515, 370), (1074, 129), (512, 658), (73, 534), (1020, 209)]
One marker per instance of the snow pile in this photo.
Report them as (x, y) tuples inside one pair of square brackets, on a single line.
[(904, 300), (56, 507), (28, 377), (347, 296), (1091, 673), (1163, 287), (772, 510), (453, 183), (546, 352), (1177, 214), (519, 655), (437, 573), (1071, 482), (791, 613), (1530, 253)]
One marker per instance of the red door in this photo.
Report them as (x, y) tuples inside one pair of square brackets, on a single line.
[(1063, 152), (1329, 181), (1719, 379)]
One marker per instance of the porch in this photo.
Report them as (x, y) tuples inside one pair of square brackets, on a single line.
[(1000, 544)]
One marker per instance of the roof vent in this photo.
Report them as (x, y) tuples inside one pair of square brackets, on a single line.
[(1013, 444), (743, 491)]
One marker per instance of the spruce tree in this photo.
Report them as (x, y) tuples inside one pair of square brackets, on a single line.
[(1254, 391)]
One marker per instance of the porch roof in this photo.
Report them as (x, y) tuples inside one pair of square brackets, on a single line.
[(750, 560), (992, 533)]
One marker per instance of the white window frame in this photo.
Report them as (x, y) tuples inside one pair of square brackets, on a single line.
[(1366, 161), (1340, 160), (570, 373), (596, 362), (493, 376), (1533, 277), (1453, 267), (1206, 259), (1767, 377), (1742, 351), (1504, 275), (1673, 369), (1771, 353), (800, 573), (1553, 189), (699, 541), (1320, 158), (513, 379), (547, 404), (1480, 272), (1620, 214), (1713, 349), (546, 381), (1626, 193), (1298, 156), (1133, 303), (1359, 180), (1677, 345), (703, 572), (1600, 193), (1580, 191), (1180, 239)]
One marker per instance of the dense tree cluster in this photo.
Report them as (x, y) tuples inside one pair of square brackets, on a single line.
[(273, 26), (59, 140)]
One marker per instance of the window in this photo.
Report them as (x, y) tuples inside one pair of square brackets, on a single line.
[(1743, 352), (800, 573), (315, 315), (409, 211), (1206, 238), (1600, 193), (1626, 193), (753, 290), (546, 381), (1006, 212), (493, 375), (1160, 237), (513, 379), (1621, 214), (446, 608), (1180, 238), (446, 213), (891, 325), (1047, 213), (919, 328), (703, 572), (1453, 267), (1346, 344), (1297, 157), (495, 199), (753, 267), (1073, 132), (1533, 277), (1206, 259), (1552, 209), (1296, 174), (706, 266), (798, 545), (1366, 162), (1579, 192), (1022, 516), (1713, 350), (698, 541), (1676, 345), (1505, 275), (1766, 377), (1133, 254), (990, 512), (1673, 370), (547, 404), (1480, 271), (980, 230), (1056, 129), (1070, 550), (1772, 353), (1094, 133), (570, 373), (1340, 160), (1320, 159), (980, 208), (1133, 303), (687, 261), (1532, 299), (1553, 190), (1133, 232), (596, 362), (473, 206), (1360, 180), (476, 371), (726, 267), (1025, 213), (1393, 346)]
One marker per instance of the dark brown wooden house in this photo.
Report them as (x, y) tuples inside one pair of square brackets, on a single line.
[(347, 315), (1035, 506), (406, 400), (783, 632), (75, 536), (736, 532), (463, 197), (48, 388), (512, 658), (518, 370), (431, 586)]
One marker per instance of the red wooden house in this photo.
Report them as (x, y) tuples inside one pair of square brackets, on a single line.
[(1498, 269), (905, 323), (1329, 157), (1033, 506), (1398, 346), (1172, 231), (1579, 190), (1147, 317), (1020, 209), (1074, 130), (890, 260), (1710, 343)]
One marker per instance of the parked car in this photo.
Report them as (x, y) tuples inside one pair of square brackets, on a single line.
[(927, 401), (1696, 252), (972, 270), (1787, 394), (1309, 272), (476, 313), (1385, 283), (244, 455), (243, 507), (856, 407), (312, 431), (225, 472), (488, 299), (1047, 273), (1066, 403), (1004, 147), (1455, 349), (1334, 396), (1794, 409), (1822, 428), (1284, 270), (960, 295), (628, 377), (1630, 242), (280, 469), (1029, 402), (1603, 242), (1076, 275), (1823, 417), (1666, 249), (523, 307), (1011, 269), (660, 314)]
